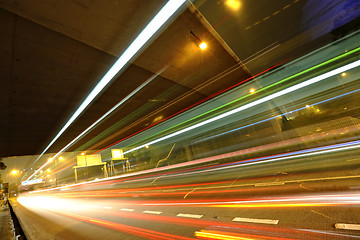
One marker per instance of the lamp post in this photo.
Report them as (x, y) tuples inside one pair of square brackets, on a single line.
[(14, 173), (50, 160), (56, 178), (86, 169)]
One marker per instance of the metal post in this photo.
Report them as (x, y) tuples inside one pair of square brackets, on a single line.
[(76, 178), (55, 173), (86, 169), (105, 171)]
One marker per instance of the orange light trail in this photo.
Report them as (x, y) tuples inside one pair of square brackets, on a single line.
[(274, 205), (187, 108), (221, 235), (147, 192), (108, 209), (141, 232)]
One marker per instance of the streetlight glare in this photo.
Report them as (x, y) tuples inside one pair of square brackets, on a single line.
[(233, 4), (203, 45), (14, 172)]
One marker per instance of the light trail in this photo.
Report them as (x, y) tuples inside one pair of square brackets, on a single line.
[(154, 25), (254, 103), (187, 108), (211, 189), (111, 110), (107, 210), (176, 133), (260, 160), (264, 88), (280, 115), (219, 167), (292, 155), (141, 232), (149, 193), (314, 200), (221, 235), (100, 119)]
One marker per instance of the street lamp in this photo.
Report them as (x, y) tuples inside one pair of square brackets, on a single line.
[(14, 177), (86, 169), (56, 179), (233, 4), (202, 45)]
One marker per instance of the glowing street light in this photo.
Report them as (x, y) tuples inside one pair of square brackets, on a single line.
[(202, 45), (233, 4), (252, 90), (14, 172)]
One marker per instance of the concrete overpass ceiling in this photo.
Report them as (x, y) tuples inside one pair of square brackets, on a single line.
[(54, 52), (107, 25)]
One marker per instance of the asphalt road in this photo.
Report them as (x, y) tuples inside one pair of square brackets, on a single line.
[(304, 197)]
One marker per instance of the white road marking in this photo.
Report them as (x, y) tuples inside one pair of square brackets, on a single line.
[(269, 184), (189, 215), (254, 220), (127, 209), (152, 212), (108, 207), (350, 160), (347, 226)]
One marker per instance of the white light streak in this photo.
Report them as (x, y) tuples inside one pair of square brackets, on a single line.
[(257, 102), (155, 24), (109, 112)]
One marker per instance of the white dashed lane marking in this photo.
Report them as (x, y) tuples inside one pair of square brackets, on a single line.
[(254, 220), (189, 215), (127, 209), (268, 184), (152, 212), (239, 219), (347, 226)]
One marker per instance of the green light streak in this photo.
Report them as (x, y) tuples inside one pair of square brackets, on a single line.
[(258, 91)]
